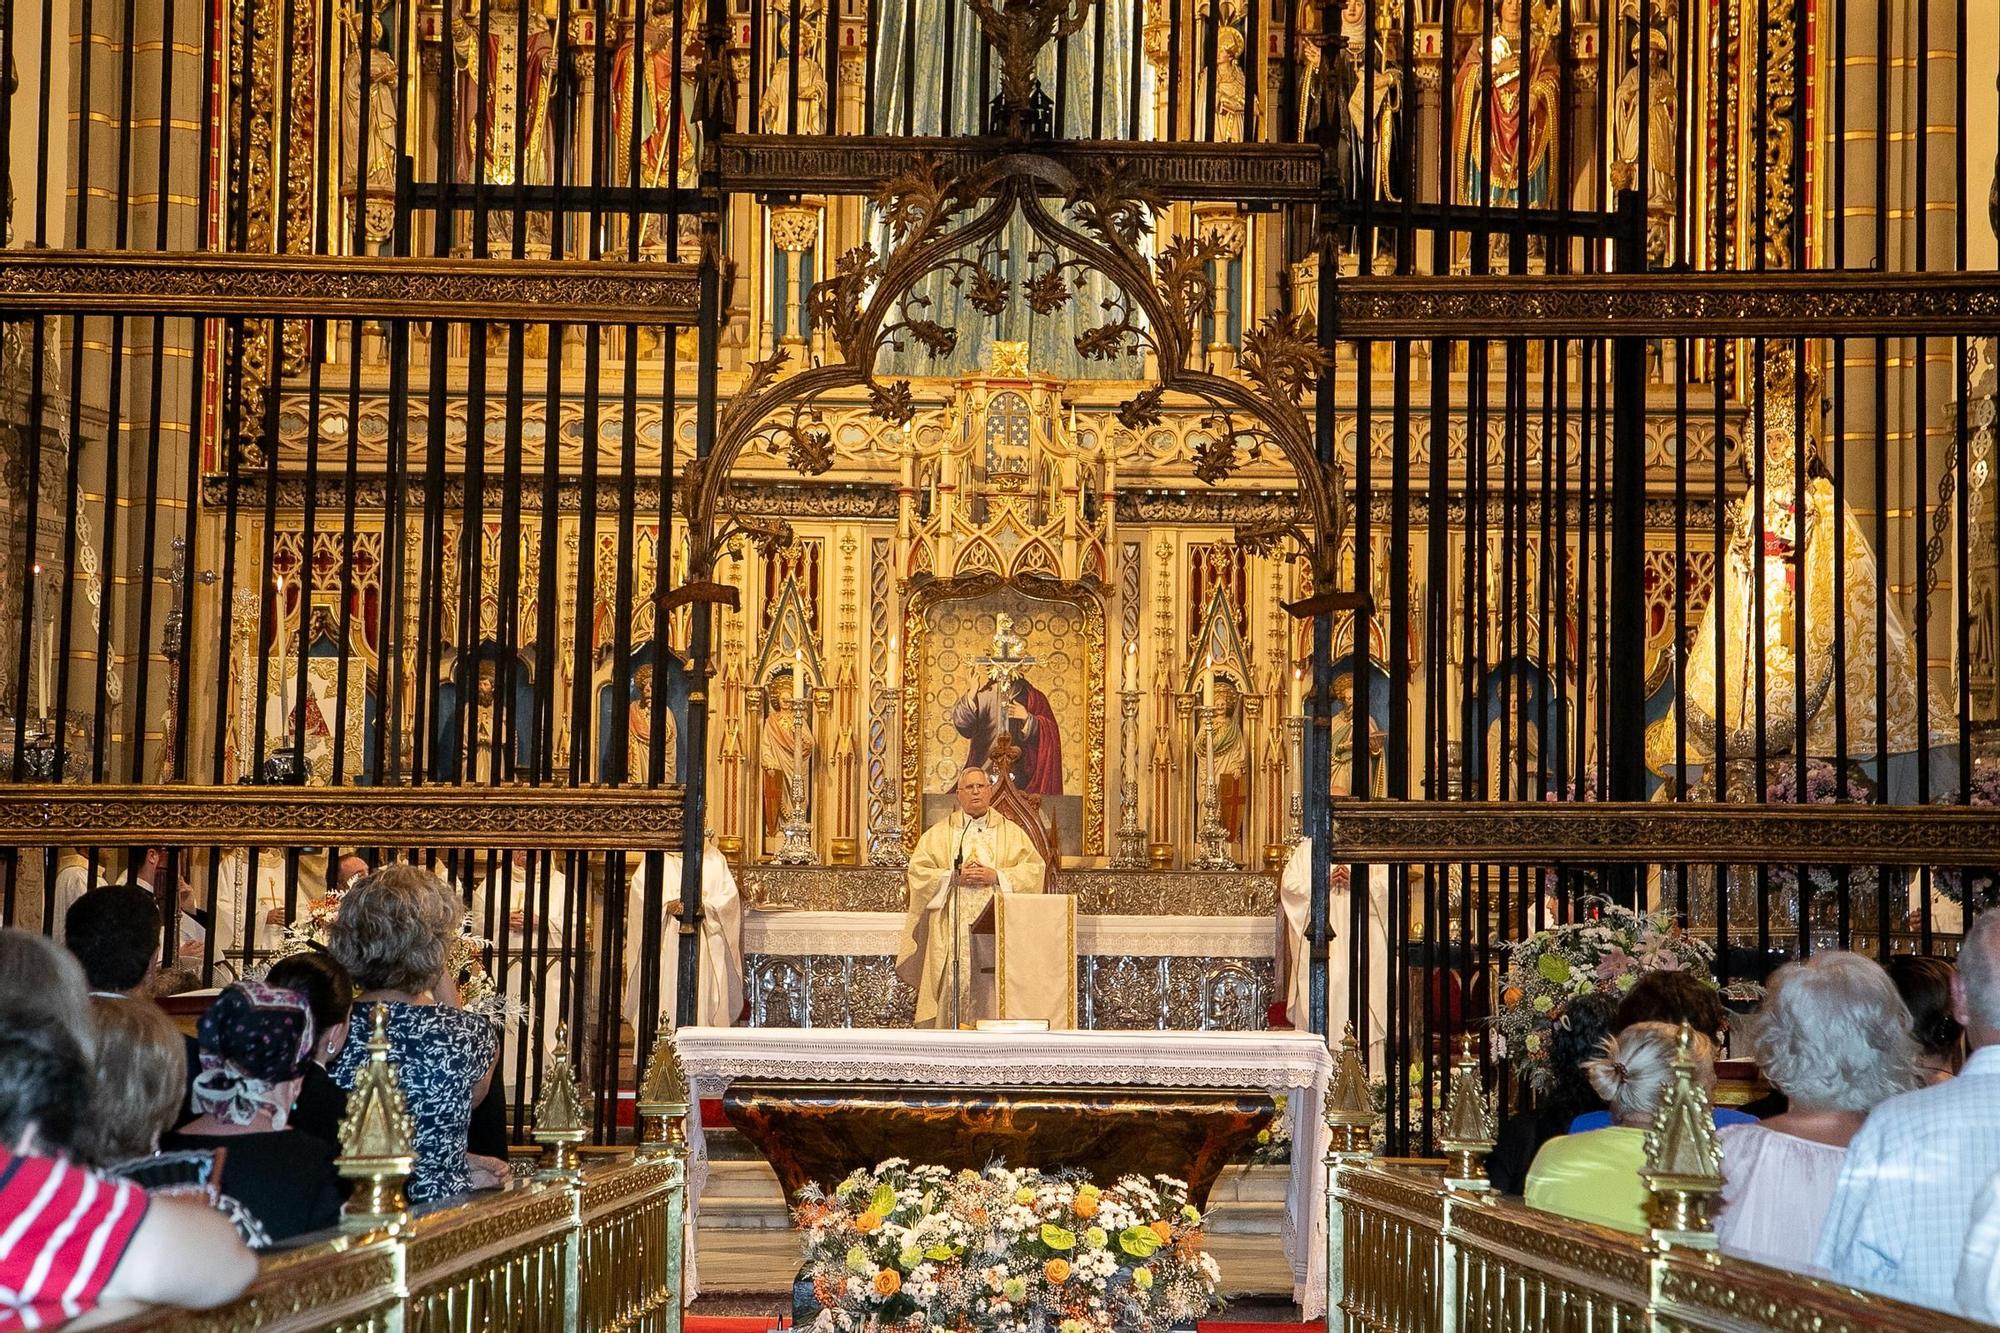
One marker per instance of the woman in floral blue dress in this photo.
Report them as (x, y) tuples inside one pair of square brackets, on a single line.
[(393, 935)]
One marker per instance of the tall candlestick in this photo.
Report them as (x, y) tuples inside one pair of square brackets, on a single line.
[(44, 641), (284, 650)]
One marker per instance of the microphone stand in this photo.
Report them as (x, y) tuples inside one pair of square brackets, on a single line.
[(957, 940)]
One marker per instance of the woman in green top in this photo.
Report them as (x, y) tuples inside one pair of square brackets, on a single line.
[(1594, 1177)]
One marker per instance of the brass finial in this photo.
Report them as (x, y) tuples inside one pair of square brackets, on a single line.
[(377, 1148), (1683, 1159), (662, 1104), (1350, 1107), (1468, 1123), (559, 1117)]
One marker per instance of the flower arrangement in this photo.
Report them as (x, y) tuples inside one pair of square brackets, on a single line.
[(1273, 1146), (1607, 952), (925, 1248)]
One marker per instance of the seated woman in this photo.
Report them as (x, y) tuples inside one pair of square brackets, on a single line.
[(254, 1041), (329, 992), (1924, 983), (1672, 997), (1834, 1037), (1594, 1177), (393, 935), (139, 1074), (1578, 1037)]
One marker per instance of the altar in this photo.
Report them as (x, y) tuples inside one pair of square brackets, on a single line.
[(1296, 1066)]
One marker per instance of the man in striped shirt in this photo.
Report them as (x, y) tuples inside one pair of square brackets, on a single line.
[(71, 1240)]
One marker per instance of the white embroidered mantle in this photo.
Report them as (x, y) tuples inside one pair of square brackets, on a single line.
[(1293, 1063)]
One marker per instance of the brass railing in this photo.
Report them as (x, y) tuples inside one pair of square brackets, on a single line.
[(1424, 1247), (582, 1247)]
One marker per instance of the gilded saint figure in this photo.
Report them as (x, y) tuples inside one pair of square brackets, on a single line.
[(1503, 131)]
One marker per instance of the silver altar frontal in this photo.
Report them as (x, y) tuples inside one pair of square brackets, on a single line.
[(1188, 951)]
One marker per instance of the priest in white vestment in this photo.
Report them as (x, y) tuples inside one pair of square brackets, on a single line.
[(719, 978), (529, 897), (74, 878), (981, 852), (1294, 895)]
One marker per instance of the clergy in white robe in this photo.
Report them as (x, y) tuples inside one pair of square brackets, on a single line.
[(529, 897), (73, 880), (979, 852), (258, 902), (719, 978), (1294, 895)]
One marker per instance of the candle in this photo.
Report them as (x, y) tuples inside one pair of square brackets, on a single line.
[(47, 640), (1298, 691), (895, 666), (1132, 667), (798, 676), (1208, 683), (284, 651)]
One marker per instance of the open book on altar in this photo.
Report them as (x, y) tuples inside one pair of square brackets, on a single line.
[(1032, 938)]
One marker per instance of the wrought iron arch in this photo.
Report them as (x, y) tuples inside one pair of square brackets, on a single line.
[(937, 224)]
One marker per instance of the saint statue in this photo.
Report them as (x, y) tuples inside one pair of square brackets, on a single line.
[(1503, 135), (803, 39), (1223, 730), (974, 852), (655, 116), (368, 98), (639, 730), (503, 98), (786, 753)]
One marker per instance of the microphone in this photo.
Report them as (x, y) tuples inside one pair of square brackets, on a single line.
[(958, 859)]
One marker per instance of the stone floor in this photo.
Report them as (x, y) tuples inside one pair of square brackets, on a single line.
[(748, 1254)]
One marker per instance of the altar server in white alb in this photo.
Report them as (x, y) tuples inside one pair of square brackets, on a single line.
[(983, 852), (1294, 893), (719, 999), (530, 897)]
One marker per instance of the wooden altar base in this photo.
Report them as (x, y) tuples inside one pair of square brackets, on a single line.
[(817, 1133)]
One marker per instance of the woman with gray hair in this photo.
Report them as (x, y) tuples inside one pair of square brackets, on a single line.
[(394, 936), (1834, 1036), (1594, 1176)]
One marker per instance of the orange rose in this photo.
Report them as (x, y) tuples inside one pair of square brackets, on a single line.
[(1085, 1206), (888, 1282), (1512, 995), (1056, 1270), (1164, 1230), (868, 1221), (1190, 1243)]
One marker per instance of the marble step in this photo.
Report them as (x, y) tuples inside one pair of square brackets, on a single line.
[(743, 1195)]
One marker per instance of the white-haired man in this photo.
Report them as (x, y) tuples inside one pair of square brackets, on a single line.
[(1903, 1207), (980, 852)]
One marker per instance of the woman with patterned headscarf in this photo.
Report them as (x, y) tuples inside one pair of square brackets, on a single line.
[(255, 1041)]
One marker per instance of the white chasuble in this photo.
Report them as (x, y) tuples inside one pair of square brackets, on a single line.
[(925, 956)]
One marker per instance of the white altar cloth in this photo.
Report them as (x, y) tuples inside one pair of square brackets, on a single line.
[(1296, 1064), (865, 934)]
